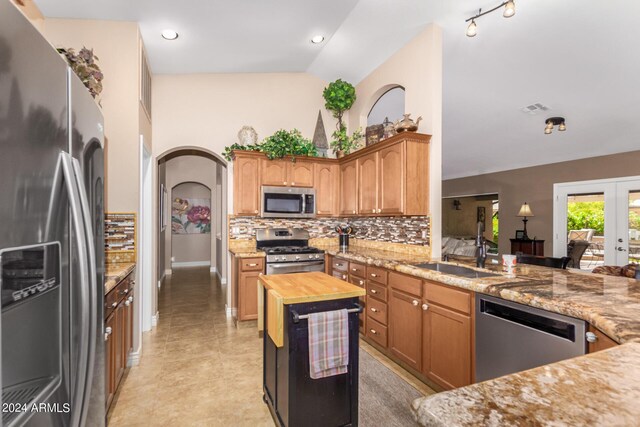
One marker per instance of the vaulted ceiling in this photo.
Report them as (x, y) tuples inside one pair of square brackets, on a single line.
[(578, 58)]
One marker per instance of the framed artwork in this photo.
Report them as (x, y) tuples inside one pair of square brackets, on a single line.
[(191, 216), (519, 234), (481, 214)]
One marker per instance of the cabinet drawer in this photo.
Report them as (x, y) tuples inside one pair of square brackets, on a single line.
[(339, 275), (251, 264), (377, 274), (377, 310), (356, 269), (110, 302), (123, 289), (448, 297), (377, 291), (357, 281), (340, 265), (377, 332), (404, 283)]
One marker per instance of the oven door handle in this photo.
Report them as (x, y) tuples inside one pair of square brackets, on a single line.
[(292, 264)]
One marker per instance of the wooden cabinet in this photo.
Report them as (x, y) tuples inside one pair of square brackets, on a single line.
[(405, 327), (246, 285), (391, 180), (274, 172), (327, 184), (357, 276), (368, 184), (287, 173), (349, 188), (527, 247), (109, 359), (246, 185), (602, 342), (447, 337), (388, 178), (118, 336)]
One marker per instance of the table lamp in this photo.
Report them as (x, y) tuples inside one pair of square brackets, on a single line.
[(525, 211)]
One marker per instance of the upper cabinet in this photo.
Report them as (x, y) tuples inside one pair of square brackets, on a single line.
[(349, 188), (246, 185), (388, 178), (327, 179), (287, 173)]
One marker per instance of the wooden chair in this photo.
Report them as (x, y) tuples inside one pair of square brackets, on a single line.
[(544, 261)]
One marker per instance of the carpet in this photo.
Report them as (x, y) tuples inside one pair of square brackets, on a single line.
[(385, 398)]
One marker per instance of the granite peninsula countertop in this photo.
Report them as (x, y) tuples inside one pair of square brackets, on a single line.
[(115, 272), (600, 389), (247, 253)]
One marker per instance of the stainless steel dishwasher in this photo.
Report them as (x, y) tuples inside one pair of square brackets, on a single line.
[(512, 337)]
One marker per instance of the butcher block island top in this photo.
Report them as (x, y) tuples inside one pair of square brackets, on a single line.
[(284, 289)]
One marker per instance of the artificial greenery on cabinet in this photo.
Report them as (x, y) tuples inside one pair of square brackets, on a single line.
[(281, 144)]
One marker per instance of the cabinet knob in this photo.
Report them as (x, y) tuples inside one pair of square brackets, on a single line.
[(375, 310), (373, 331), (415, 302), (425, 307), (591, 337), (253, 264), (114, 304), (361, 282), (126, 291), (374, 275), (354, 269), (293, 183), (133, 282), (338, 265), (127, 303), (285, 183), (256, 211), (373, 291), (354, 211), (379, 210), (344, 277), (108, 330), (130, 299)]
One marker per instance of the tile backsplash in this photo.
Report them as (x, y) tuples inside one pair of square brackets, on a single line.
[(414, 230)]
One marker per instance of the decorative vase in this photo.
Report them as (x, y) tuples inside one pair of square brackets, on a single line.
[(339, 154), (247, 136), (407, 124)]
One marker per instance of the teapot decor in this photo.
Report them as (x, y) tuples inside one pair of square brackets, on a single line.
[(407, 124)]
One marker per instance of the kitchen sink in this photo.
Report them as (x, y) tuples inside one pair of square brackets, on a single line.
[(455, 270)]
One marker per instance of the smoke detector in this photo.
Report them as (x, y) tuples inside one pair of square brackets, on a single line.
[(534, 109)]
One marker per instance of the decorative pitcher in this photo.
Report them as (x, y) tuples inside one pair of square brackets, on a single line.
[(407, 124)]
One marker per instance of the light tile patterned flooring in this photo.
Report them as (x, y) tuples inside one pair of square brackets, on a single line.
[(197, 368)]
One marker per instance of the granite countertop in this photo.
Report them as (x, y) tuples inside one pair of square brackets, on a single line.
[(595, 390), (609, 303), (115, 272), (247, 253)]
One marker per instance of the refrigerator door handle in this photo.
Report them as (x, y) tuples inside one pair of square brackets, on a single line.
[(93, 286), (75, 205)]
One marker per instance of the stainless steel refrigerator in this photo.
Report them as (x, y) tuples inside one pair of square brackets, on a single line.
[(51, 235)]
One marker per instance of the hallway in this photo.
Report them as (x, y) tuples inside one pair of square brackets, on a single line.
[(197, 368)]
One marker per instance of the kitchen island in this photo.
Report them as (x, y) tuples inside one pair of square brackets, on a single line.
[(293, 395)]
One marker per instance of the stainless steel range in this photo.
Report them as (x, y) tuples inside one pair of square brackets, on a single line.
[(288, 251)]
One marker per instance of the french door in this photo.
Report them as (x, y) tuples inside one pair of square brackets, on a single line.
[(606, 213)]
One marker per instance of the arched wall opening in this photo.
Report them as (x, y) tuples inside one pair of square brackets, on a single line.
[(388, 105), (194, 170)]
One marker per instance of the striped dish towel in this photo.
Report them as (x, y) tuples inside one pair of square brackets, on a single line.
[(328, 343)]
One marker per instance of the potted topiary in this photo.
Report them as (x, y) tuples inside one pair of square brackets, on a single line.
[(339, 97), (287, 143)]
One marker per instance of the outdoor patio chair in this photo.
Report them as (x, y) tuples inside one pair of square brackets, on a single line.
[(575, 250)]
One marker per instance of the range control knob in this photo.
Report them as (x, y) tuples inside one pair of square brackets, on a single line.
[(310, 256), (297, 257), (317, 256)]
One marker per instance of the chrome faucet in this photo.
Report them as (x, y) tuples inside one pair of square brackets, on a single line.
[(481, 246)]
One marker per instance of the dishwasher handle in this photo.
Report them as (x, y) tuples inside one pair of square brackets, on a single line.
[(529, 319)]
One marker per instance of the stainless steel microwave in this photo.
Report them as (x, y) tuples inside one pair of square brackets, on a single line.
[(287, 202)]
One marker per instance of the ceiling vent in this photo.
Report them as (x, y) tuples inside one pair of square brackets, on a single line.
[(534, 109)]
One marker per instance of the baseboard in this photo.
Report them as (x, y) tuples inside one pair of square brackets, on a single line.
[(160, 283), (167, 272), (154, 319), (134, 358), (191, 264), (223, 281), (214, 270)]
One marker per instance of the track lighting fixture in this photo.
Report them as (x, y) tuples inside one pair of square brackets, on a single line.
[(554, 121), (509, 11)]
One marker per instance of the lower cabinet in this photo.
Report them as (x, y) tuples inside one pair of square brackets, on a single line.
[(446, 347), (405, 328), (245, 276), (118, 335)]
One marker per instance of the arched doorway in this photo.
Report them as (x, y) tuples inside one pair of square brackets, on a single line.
[(178, 169)]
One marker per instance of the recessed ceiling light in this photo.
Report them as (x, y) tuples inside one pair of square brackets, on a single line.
[(169, 35), (317, 39)]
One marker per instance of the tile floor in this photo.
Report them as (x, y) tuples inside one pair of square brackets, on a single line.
[(197, 367)]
